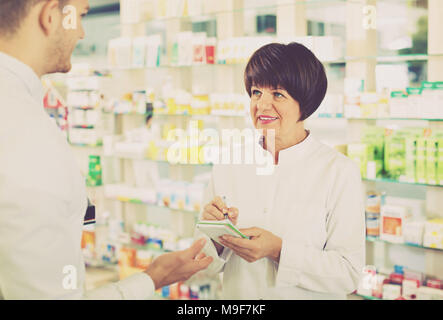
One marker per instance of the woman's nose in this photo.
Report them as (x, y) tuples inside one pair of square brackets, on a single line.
[(264, 103)]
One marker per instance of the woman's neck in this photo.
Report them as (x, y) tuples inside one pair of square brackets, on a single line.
[(281, 144)]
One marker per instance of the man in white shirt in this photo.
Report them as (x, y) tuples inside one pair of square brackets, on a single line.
[(43, 198)]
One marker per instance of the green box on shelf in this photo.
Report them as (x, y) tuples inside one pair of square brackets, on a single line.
[(431, 160), (427, 85), (374, 138), (440, 162), (395, 152), (359, 153), (414, 91), (93, 182), (95, 171), (398, 94), (421, 160), (395, 163), (410, 158)]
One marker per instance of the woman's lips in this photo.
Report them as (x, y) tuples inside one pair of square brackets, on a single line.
[(266, 119)]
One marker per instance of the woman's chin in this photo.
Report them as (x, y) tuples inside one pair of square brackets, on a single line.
[(270, 126)]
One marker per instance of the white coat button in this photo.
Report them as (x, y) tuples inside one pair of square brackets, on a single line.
[(265, 210)]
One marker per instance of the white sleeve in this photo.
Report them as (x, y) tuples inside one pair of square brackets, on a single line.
[(336, 268), (136, 287), (40, 250), (209, 249)]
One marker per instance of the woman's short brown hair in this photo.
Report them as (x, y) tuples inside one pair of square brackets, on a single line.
[(292, 67)]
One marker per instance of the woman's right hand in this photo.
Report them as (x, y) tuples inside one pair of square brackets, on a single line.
[(214, 211)]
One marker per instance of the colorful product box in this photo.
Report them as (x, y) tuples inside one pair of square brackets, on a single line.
[(359, 153), (433, 241), (410, 289), (398, 104), (420, 169), (431, 161), (374, 138), (395, 163), (391, 291), (393, 219), (440, 162), (410, 158)]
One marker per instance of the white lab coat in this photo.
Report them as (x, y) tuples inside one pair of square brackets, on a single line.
[(43, 201), (314, 202)]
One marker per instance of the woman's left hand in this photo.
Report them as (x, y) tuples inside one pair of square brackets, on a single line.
[(261, 244)]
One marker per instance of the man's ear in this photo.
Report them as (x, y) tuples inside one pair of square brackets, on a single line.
[(50, 16)]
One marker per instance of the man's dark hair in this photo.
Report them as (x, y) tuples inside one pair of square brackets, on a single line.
[(292, 67), (12, 13)]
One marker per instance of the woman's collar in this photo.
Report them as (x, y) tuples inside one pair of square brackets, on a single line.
[(288, 154)]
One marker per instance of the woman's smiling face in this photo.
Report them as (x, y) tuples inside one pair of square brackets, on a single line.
[(274, 109)]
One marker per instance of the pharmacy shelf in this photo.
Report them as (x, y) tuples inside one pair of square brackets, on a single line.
[(333, 117), (339, 61), (402, 182), (265, 8), (128, 157), (211, 115), (207, 65), (103, 265), (367, 297), (395, 119), (82, 107), (84, 145), (83, 126), (372, 239), (212, 15), (149, 204), (145, 247)]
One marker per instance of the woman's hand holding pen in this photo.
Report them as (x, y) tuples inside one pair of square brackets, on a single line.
[(216, 210), (261, 244)]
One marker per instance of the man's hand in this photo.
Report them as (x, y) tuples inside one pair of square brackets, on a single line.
[(262, 244), (178, 266), (214, 211)]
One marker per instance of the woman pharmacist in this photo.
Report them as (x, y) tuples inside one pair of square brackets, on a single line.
[(306, 220)]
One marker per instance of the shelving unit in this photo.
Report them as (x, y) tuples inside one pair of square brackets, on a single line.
[(371, 239)]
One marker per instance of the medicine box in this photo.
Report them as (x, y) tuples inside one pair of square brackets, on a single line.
[(440, 162), (410, 157), (434, 227), (420, 169), (391, 291), (431, 161), (393, 219), (413, 232)]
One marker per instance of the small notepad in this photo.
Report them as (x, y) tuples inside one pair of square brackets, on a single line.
[(216, 228)]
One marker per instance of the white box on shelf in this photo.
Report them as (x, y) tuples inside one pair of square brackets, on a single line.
[(433, 241), (139, 50), (434, 226), (391, 291), (130, 11), (413, 232), (392, 220), (120, 52), (426, 293)]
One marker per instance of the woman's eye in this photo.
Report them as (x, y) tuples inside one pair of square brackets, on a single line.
[(278, 95), (256, 93)]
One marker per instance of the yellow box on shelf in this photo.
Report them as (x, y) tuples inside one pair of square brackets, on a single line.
[(123, 199)]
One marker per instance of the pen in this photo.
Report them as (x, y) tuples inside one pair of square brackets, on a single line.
[(225, 213)]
